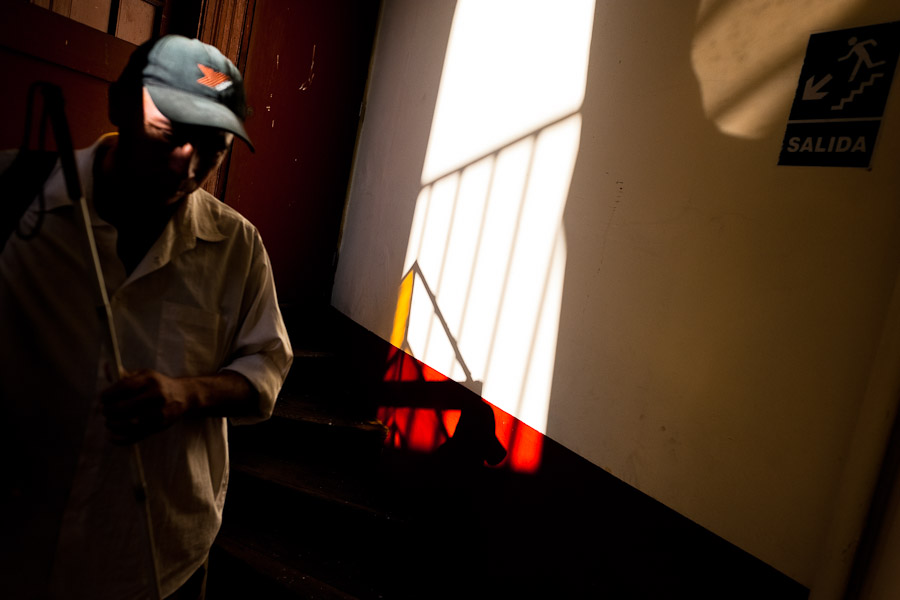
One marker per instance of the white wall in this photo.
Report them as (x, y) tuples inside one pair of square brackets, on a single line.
[(719, 334)]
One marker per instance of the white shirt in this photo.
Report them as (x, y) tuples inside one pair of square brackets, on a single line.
[(202, 300)]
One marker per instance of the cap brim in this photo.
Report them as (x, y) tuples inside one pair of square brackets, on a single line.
[(184, 107)]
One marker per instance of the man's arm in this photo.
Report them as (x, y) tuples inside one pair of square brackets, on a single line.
[(144, 402), (244, 390)]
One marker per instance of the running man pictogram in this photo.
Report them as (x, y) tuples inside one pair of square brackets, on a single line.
[(862, 55)]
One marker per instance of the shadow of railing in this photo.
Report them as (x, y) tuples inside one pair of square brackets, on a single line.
[(489, 235), (511, 257)]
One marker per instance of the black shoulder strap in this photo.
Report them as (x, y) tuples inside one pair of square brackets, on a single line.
[(19, 185)]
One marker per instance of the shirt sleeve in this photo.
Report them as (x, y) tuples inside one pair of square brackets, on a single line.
[(261, 350)]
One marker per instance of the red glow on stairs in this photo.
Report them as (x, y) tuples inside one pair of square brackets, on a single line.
[(426, 429)]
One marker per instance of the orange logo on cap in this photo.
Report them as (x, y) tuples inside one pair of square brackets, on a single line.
[(213, 79)]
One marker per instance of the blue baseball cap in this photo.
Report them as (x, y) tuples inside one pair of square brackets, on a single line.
[(193, 83)]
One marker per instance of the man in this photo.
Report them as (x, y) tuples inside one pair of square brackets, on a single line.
[(199, 330)]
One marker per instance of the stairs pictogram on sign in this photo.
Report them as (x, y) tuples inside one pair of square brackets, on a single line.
[(840, 97)]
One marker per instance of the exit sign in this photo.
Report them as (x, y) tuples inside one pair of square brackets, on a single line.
[(841, 95)]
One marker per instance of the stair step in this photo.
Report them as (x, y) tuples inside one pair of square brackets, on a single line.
[(338, 487), (269, 568), (313, 353), (302, 431), (314, 367), (293, 529), (303, 407)]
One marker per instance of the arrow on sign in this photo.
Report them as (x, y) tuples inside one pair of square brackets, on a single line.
[(811, 90)]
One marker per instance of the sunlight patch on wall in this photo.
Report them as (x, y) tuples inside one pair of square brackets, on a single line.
[(512, 66), (487, 245), (747, 54)]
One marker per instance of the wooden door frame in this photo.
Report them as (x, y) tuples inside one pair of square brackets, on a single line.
[(226, 24)]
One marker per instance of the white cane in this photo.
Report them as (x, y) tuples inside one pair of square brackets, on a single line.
[(54, 102)]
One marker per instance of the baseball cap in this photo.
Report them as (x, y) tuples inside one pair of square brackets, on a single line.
[(193, 83)]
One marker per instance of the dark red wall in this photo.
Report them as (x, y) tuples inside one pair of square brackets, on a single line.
[(303, 123)]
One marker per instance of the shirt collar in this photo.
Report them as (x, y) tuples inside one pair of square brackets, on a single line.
[(196, 220), (192, 221)]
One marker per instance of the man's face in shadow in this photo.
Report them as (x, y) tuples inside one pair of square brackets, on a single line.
[(171, 159)]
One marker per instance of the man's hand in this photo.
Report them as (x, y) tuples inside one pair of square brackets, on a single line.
[(143, 402)]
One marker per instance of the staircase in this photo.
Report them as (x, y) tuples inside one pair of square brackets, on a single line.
[(299, 483), (319, 507)]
